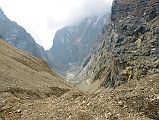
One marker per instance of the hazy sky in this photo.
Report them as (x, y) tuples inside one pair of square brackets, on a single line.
[(42, 18)]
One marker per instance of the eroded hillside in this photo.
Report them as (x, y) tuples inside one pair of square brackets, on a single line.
[(27, 77)]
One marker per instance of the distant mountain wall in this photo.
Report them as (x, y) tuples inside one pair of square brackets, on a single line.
[(72, 44)]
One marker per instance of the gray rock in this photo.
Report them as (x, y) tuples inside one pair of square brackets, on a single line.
[(17, 36), (72, 44), (129, 47)]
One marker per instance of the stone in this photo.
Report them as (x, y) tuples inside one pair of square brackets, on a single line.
[(132, 37), (72, 44)]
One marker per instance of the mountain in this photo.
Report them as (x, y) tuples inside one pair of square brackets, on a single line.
[(30, 91), (72, 44), (17, 36), (128, 49), (27, 77)]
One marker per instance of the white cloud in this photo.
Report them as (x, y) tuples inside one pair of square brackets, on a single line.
[(42, 18)]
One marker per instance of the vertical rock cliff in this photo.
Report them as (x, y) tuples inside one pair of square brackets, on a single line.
[(73, 43), (129, 47)]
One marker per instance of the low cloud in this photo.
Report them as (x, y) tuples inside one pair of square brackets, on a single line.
[(42, 18), (89, 8)]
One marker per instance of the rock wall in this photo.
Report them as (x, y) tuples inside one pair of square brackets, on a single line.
[(129, 48), (73, 43)]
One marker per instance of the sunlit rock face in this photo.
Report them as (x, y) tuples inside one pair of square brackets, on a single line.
[(72, 44), (17, 36), (129, 47)]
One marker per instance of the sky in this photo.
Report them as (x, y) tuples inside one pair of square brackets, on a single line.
[(42, 18)]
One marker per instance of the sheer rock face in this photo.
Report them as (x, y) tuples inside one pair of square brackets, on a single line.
[(18, 37), (129, 48), (72, 44)]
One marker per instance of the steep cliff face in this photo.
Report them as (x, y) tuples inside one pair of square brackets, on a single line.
[(129, 48), (17, 36), (72, 44)]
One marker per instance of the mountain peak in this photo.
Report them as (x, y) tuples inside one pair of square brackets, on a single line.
[(2, 15), (1, 11)]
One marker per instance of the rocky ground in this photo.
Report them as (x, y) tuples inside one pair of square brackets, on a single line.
[(30, 91), (136, 100)]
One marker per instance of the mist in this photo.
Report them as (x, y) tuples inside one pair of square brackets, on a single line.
[(42, 18), (87, 8)]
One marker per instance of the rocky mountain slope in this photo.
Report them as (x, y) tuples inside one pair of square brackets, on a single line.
[(24, 77), (27, 77), (129, 47), (30, 91), (17, 36), (72, 44)]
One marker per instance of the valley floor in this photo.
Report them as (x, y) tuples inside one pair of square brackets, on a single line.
[(136, 100)]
